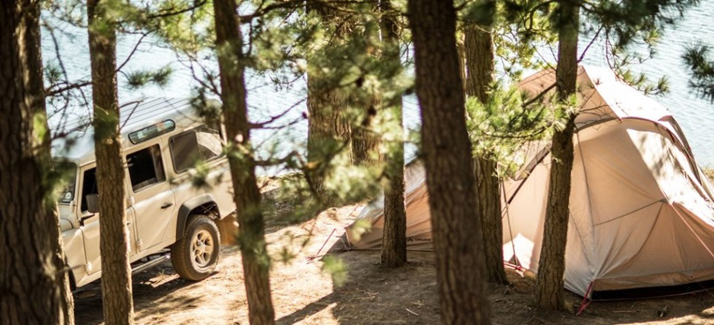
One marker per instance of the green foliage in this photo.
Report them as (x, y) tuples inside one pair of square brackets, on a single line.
[(292, 202), (286, 255), (628, 29), (336, 268), (500, 128), (106, 123), (186, 25), (208, 109), (347, 185), (532, 19), (481, 12), (141, 17), (359, 228), (199, 176), (53, 73), (60, 178), (631, 20), (701, 70), (630, 25), (518, 28), (141, 78), (342, 52)]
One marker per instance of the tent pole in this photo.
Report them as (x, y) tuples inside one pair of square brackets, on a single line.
[(586, 302), (510, 230)]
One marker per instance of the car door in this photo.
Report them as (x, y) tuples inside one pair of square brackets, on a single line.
[(152, 200), (89, 222)]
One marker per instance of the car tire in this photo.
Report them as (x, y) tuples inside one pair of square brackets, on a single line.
[(195, 256)]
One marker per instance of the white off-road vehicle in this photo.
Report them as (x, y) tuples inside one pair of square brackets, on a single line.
[(167, 215)]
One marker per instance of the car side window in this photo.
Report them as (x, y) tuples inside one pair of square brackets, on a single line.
[(89, 186), (190, 147), (145, 168)]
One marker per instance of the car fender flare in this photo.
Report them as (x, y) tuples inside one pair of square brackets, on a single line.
[(186, 209)]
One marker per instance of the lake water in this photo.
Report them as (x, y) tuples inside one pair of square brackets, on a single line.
[(696, 116)]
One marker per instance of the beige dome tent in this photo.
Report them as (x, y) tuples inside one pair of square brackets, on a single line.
[(641, 209)]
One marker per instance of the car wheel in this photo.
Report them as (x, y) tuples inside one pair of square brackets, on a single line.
[(195, 256)]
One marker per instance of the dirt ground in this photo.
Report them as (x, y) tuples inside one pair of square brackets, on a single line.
[(303, 294)]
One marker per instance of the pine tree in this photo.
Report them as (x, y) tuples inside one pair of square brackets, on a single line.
[(623, 21), (34, 279), (447, 156), (116, 270), (551, 267), (479, 55), (251, 235), (394, 240), (365, 140), (329, 128)]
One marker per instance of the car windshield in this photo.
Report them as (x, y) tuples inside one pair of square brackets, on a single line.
[(68, 177)]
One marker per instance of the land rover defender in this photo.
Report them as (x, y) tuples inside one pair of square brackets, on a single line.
[(166, 214)]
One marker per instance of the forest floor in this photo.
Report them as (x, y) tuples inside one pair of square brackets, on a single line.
[(303, 293)]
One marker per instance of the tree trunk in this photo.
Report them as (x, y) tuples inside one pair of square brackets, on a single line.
[(480, 63), (551, 267), (328, 135), (251, 233), (329, 131), (449, 172), (33, 282), (365, 142), (394, 239), (488, 185), (116, 269), (478, 48)]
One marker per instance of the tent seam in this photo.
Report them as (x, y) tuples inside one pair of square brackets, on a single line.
[(654, 224), (692, 230), (631, 212)]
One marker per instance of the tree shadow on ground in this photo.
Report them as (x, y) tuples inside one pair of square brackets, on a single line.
[(368, 295), (371, 294), (152, 288), (408, 295)]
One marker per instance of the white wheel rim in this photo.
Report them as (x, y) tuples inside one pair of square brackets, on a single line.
[(202, 249)]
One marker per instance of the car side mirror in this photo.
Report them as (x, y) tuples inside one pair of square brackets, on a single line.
[(92, 203)]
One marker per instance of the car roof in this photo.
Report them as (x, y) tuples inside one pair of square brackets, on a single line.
[(74, 136)]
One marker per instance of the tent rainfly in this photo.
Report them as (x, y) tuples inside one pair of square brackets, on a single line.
[(641, 212)]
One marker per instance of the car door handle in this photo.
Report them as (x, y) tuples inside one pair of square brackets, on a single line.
[(167, 205)]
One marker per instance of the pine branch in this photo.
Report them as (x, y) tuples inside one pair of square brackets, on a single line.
[(585, 51), (701, 70), (170, 13), (49, 92)]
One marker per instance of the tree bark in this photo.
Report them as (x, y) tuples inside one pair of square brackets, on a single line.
[(478, 49), (480, 64), (251, 231), (328, 135), (449, 172), (116, 269), (551, 267), (34, 286), (394, 239), (329, 130), (365, 142)]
